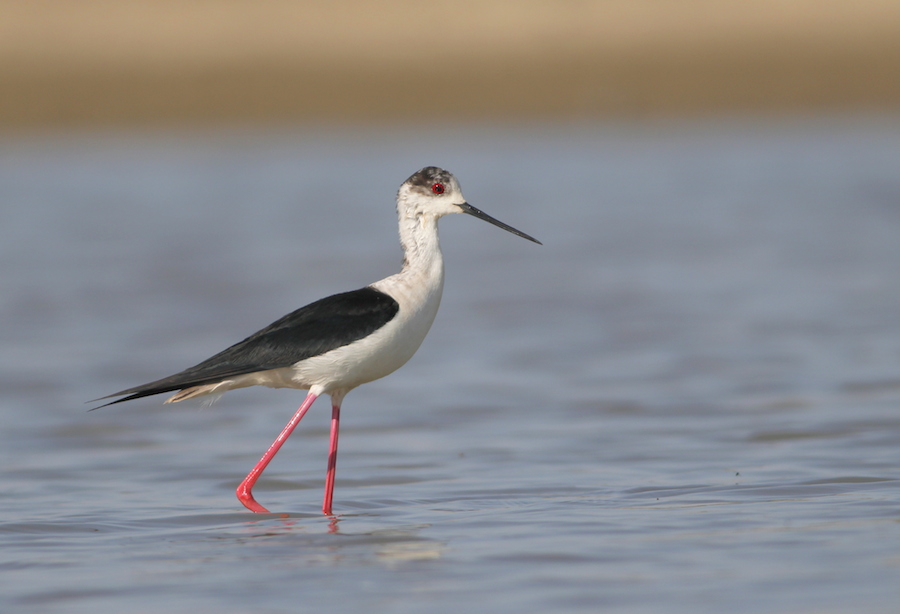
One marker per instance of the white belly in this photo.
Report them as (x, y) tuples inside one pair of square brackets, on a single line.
[(385, 350)]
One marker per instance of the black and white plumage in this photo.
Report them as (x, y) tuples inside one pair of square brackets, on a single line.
[(313, 330), (340, 342)]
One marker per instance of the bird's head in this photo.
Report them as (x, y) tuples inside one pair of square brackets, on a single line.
[(434, 192)]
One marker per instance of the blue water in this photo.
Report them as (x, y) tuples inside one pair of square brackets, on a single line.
[(687, 400)]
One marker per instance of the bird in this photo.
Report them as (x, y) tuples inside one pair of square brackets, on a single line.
[(335, 344)]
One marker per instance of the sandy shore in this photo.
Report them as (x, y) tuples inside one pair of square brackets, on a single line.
[(108, 62)]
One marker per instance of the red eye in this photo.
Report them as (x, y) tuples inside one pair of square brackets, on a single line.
[(438, 188)]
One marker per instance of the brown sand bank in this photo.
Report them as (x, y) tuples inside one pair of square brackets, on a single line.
[(108, 62)]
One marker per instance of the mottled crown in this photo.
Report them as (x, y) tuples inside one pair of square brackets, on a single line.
[(429, 176)]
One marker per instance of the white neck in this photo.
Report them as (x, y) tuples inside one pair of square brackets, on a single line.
[(419, 284), (420, 243), (419, 238)]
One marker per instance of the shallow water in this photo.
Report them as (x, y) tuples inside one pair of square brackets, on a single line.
[(687, 400)]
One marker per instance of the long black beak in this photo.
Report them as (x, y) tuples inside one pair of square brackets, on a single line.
[(481, 215)]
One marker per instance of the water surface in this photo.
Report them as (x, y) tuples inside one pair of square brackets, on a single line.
[(687, 400)]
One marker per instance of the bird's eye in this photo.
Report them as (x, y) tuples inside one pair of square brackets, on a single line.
[(438, 188)]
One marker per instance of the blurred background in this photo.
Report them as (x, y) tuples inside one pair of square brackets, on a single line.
[(686, 400), (104, 62)]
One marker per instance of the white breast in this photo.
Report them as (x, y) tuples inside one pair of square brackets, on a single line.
[(418, 292)]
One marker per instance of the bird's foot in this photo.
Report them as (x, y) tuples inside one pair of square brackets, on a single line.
[(246, 498)]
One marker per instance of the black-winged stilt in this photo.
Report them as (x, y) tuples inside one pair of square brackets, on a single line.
[(335, 344)]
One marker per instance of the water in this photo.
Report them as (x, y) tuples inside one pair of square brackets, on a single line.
[(687, 400)]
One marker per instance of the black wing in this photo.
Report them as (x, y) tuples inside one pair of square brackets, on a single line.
[(319, 327)]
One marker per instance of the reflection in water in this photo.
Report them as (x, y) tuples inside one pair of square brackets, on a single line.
[(393, 547)]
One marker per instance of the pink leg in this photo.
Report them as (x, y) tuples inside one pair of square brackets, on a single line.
[(332, 457), (244, 488)]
